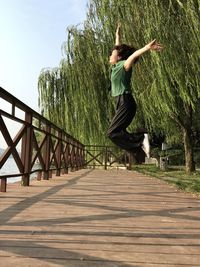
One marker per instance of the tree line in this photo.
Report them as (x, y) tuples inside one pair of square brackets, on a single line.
[(76, 97)]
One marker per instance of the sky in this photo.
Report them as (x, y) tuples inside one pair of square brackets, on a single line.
[(31, 36)]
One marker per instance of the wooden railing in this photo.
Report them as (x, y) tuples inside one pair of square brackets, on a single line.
[(107, 157), (37, 146)]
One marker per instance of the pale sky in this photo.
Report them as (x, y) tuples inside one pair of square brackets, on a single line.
[(31, 36)]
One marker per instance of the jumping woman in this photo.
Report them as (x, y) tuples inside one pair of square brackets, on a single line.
[(122, 59)]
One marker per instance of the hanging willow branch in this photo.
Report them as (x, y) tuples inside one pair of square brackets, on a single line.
[(75, 95)]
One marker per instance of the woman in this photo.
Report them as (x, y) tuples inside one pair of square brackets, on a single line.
[(123, 58)]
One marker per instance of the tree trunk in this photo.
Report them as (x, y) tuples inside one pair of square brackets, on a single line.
[(187, 139)]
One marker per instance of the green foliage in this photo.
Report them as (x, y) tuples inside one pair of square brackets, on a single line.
[(166, 86)]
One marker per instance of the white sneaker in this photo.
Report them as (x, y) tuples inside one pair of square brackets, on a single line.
[(146, 145)]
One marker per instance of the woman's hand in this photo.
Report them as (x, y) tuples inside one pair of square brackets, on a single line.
[(118, 30), (118, 34), (153, 45)]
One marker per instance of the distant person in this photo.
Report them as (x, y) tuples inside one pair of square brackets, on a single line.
[(123, 58)]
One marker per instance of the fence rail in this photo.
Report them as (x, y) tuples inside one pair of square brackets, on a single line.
[(36, 140), (106, 157)]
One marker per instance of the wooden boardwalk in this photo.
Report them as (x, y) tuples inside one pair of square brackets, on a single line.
[(102, 218)]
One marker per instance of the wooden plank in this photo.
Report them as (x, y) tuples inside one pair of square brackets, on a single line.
[(99, 218)]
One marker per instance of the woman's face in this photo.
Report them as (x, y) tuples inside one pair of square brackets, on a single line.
[(114, 58)]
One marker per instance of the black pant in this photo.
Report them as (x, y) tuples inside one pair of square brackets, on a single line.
[(125, 112)]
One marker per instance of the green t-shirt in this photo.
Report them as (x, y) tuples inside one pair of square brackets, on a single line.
[(120, 79)]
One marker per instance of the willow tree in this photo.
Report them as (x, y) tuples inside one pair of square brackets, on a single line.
[(165, 86), (84, 105), (173, 95)]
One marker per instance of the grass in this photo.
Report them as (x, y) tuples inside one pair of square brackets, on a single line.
[(183, 181)]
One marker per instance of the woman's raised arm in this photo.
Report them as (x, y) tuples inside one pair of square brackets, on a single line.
[(153, 46), (118, 34)]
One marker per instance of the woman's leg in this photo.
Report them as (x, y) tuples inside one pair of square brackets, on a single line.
[(125, 112)]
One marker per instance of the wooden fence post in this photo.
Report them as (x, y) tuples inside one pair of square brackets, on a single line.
[(46, 173), (26, 150), (58, 153), (130, 156), (3, 184), (106, 158)]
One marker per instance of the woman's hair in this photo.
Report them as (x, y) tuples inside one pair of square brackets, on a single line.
[(124, 51)]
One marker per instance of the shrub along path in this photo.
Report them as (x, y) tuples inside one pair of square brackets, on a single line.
[(99, 218)]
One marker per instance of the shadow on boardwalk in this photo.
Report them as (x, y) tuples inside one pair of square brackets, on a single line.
[(99, 218)]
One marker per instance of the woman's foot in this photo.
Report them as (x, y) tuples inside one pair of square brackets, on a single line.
[(146, 145)]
